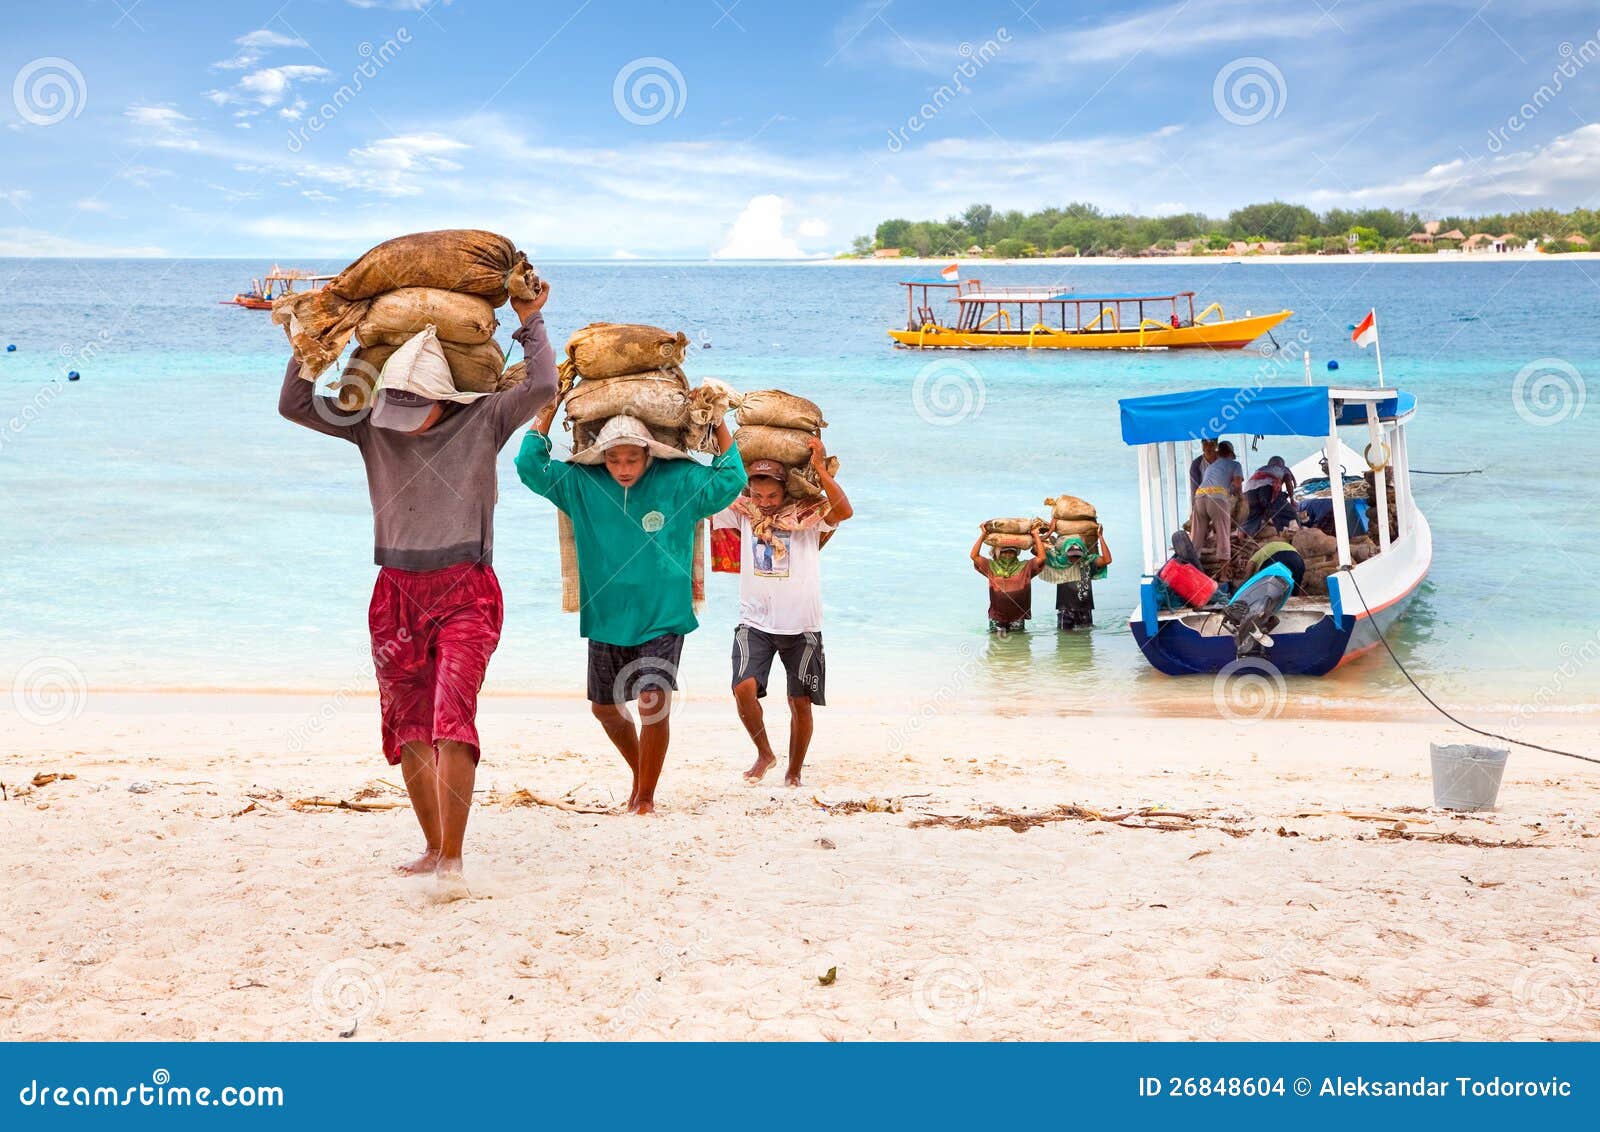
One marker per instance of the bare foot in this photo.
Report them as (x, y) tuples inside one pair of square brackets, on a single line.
[(427, 863), (643, 807), (450, 883), (757, 772), (792, 778)]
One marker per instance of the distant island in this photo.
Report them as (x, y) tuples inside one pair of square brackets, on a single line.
[(1273, 228)]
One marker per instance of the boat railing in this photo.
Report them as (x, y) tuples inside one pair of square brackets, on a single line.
[(1112, 311), (1151, 324), (1001, 314), (1201, 317)]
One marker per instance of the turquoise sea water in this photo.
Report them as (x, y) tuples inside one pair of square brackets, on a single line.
[(165, 528)]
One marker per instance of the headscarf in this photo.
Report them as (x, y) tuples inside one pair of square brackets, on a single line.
[(1060, 567), (1005, 567)]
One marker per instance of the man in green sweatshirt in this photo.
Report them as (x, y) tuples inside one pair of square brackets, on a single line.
[(634, 504)]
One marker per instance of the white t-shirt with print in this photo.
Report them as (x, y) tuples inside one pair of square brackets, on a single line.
[(780, 584)]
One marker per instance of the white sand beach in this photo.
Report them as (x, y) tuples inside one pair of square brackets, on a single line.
[(1172, 260), (172, 890)]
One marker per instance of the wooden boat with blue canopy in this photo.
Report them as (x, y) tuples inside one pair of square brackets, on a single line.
[(1057, 318), (1376, 572)]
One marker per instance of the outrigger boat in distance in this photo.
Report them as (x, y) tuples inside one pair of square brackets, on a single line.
[(1313, 634), (278, 283), (983, 319)]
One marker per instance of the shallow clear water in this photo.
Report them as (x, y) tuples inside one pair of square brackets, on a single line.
[(164, 527)]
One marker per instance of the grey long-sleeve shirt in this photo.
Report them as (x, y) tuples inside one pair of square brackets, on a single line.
[(433, 494)]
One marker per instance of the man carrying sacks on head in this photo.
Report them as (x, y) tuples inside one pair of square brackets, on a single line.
[(436, 609), (634, 504), (780, 600)]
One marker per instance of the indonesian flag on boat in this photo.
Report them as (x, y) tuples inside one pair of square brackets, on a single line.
[(951, 274), (1366, 331)]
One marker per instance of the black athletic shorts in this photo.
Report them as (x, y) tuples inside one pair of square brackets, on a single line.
[(754, 649), (618, 673)]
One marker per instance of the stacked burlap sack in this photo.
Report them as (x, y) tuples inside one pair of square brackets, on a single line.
[(451, 280), (774, 425), (1071, 516), (1320, 551), (626, 369), (1011, 534)]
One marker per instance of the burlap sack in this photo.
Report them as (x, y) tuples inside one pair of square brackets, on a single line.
[(779, 409), (611, 349), (454, 259), (395, 316), (475, 369), (659, 398), (803, 483), (1312, 543), (1086, 529), (319, 325), (1070, 507), (1010, 526), (1000, 542), (789, 446), (360, 376), (512, 376)]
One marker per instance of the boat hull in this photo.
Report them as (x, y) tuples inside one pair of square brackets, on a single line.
[(1228, 334)]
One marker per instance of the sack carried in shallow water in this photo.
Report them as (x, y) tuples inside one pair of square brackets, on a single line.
[(397, 315), (1070, 507), (1086, 529), (789, 446), (778, 409), (1011, 527), (468, 260), (1005, 541), (612, 349), (659, 398)]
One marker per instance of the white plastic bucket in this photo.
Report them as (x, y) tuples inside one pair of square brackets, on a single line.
[(1466, 776)]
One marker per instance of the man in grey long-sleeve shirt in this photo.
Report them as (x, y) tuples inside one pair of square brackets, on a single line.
[(436, 609)]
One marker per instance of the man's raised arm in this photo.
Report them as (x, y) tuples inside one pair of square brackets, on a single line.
[(515, 407), (298, 402)]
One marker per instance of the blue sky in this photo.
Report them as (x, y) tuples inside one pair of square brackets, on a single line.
[(744, 128)]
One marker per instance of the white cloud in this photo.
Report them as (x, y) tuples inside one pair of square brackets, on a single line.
[(253, 47), (813, 229), (623, 254), (32, 242), (16, 198), (157, 117), (410, 153), (92, 205), (270, 85), (317, 196), (758, 233)]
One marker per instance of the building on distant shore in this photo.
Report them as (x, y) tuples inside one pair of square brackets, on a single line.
[(886, 253)]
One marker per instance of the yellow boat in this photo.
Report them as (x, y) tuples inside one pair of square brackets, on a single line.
[(984, 319)]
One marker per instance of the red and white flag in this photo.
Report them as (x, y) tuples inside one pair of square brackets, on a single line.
[(951, 274), (1366, 331)]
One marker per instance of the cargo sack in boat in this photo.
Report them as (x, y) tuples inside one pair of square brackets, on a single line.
[(611, 349), (319, 326), (1011, 526), (659, 398), (455, 259), (779, 409), (1005, 542), (789, 446), (396, 315), (1070, 507)]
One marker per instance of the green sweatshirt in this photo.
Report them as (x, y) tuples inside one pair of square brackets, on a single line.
[(636, 544)]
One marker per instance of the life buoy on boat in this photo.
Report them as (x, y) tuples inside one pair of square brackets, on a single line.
[(1383, 461)]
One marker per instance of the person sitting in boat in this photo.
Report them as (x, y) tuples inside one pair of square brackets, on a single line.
[(1073, 568), (1010, 582), (1269, 492), (1278, 552), (1211, 515)]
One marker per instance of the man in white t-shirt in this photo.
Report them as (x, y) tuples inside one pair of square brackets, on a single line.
[(780, 600)]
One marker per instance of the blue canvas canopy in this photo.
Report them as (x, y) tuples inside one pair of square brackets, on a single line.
[(1299, 410)]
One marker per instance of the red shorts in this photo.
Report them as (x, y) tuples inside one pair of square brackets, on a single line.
[(432, 636)]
